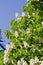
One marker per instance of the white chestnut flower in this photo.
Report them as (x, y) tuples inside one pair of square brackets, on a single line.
[(33, 14), (25, 44), (28, 16), (6, 57), (17, 15), (12, 46), (41, 63), (28, 30), (36, 59), (42, 23), (23, 62), (23, 14), (9, 47), (19, 62), (16, 34), (32, 62), (18, 19), (6, 54), (6, 60)]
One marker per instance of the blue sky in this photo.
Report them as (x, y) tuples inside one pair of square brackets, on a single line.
[(8, 8)]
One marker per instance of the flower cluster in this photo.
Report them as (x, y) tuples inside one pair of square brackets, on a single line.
[(6, 57), (28, 30), (32, 61), (18, 16), (9, 47), (35, 61), (22, 62), (41, 63), (26, 45), (16, 34)]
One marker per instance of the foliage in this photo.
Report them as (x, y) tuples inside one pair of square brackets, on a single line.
[(27, 33), (1, 57)]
